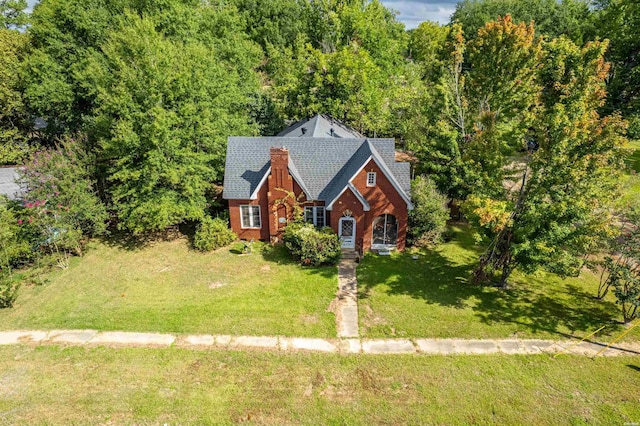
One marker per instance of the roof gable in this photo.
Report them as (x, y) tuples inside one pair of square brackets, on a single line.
[(320, 126), (366, 153)]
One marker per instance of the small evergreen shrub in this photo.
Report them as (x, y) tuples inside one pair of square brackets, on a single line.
[(428, 219), (8, 290), (12, 249), (312, 246), (212, 234)]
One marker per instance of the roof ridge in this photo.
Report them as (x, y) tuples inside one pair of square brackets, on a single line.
[(315, 126)]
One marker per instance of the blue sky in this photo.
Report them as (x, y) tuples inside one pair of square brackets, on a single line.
[(411, 12)]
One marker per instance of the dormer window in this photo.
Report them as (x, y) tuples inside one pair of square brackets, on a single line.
[(371, 179)]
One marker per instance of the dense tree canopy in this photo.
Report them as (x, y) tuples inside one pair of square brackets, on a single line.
[(620, 22), (12, 13), (163, 112), (155, 88), (552, 18)]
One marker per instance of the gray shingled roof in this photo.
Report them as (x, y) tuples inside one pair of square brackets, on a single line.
[(8, 182), (319, 126), (325, 164)]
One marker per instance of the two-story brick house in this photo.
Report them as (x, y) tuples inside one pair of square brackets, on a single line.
[(346, 181)]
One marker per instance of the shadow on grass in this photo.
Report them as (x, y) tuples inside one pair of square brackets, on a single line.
[(127, 241), (533, 309), (279, 254), (432, 277), (533, 303)]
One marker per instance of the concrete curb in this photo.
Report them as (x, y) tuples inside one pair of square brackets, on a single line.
[(303, 344)]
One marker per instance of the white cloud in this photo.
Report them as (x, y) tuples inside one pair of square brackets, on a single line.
[(413, 12)]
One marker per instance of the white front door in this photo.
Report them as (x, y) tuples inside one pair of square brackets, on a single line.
[(347, 232)]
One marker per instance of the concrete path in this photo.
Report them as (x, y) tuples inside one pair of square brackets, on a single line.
[(92, 338), (347, 299)]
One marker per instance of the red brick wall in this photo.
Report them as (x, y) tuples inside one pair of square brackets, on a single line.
[(383, 199), (348, 201), (236, 223)]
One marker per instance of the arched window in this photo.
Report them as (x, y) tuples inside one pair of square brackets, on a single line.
[(385, 231)]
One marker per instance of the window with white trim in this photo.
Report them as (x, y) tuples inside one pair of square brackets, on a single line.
[(371, 179), (315, 215), (385, 231), (250, 217)]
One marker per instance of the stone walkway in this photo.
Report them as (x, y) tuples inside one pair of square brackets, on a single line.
[(92, 338), (347, 299)]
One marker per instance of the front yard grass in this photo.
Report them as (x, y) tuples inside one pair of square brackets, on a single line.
[(77, 385), (431, 297), (631, 179), (167, 287)]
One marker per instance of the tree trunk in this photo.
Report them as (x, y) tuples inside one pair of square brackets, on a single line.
[(506, 272)]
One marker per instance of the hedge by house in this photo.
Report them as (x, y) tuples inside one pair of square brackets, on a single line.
[(312, 246), (213, 233)]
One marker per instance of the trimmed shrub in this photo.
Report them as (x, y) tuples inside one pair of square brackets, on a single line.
[(212, 234), (312, 246)]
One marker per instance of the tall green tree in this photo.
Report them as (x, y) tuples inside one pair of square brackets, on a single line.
[(481, 106), (274, 22), (156, 86), (426, 46), (502, 93), (163, 111), (349, 62), (561, 211), (334, 24), (15, 123), (439, 136), (346, 84)]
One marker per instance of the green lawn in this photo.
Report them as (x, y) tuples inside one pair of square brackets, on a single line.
[(633, 161), (75, 385), (431, 297), (168, 288), (631, 180)]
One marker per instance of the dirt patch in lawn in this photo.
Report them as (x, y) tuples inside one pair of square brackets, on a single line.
[(216, 285), (371, 319)]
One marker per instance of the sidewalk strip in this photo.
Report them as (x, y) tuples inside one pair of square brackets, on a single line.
[(134, 339), (332, 345)]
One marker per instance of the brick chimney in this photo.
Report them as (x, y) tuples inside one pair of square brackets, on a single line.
[(279, 182)]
